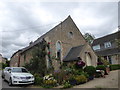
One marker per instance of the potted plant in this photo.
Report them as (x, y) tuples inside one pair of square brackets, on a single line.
[(103, 67)]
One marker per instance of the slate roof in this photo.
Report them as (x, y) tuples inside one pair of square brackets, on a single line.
[(73, 54), (106, 38), (108, 52)]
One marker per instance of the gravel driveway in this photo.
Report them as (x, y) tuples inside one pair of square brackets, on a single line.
[(110, 81)]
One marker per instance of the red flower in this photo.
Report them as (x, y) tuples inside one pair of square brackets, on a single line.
[(48, 52), (48, 42), (81, 63)]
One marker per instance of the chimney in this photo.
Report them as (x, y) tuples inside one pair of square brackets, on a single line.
[(30, 43)]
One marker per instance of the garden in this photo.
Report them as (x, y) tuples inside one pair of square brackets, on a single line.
[(69, 75)]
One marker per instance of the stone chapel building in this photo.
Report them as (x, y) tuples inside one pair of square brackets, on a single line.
[(66, 43)]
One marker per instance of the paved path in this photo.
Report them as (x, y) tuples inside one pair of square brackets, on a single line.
[(110, 81)]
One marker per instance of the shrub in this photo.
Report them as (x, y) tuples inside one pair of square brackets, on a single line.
[(4, 65), (80, 79), (59, 76), (101, 67), (78, 72), (90, 70), (102, 61), (38, 79), (114, 66), (67, 85), (81, 72), (49, 81)]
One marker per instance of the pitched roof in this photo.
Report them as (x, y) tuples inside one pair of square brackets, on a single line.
[(73, 54), (108, 52), (16, 52), (43, 36), (106, 38)]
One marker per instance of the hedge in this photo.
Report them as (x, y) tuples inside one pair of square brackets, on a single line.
[(100, 67), (114, 67)]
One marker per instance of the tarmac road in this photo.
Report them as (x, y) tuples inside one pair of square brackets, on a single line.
[(4, 84)]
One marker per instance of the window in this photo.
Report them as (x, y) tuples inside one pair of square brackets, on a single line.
[(70, 34), (58, 50), (107, 44), (96, 47)]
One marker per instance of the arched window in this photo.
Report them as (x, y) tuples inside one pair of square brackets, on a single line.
[(58, 50)]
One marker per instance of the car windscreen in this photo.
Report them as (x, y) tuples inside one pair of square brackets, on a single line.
[(20, 70), (6, 69)]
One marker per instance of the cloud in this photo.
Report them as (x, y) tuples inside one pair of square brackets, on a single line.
[(22, 22), (96, 18)]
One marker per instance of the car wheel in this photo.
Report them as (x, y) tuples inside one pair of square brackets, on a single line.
[(10, 82), (2, 76)]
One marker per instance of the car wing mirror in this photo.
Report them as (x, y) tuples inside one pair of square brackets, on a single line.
[(9, 71)]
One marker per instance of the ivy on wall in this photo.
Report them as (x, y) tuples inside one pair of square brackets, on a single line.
[(38, 61)]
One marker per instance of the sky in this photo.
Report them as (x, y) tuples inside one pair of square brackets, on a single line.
[(22, 22)]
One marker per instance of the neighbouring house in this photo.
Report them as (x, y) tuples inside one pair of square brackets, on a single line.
[(66, 43), (2, 59), (108, 47)]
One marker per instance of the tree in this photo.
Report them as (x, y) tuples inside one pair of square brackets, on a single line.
[(89, 37), (38, 62)]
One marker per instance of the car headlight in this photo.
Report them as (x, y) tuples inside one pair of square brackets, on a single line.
[(16, 77)]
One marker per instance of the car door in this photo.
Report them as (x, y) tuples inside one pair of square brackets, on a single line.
[(7, 74), (5, 71)]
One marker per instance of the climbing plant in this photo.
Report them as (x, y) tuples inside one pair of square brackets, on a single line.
[(38, 61)]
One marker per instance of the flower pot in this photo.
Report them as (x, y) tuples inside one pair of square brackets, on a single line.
[(91, 77), (107, 70)]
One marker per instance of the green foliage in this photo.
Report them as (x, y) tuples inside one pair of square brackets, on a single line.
[(90, 70), (118, 42), (59, 76), (4, 65), (89, 37), (38, 79), (80, 79), (38, 63), (101, 67), (67, 85), (49, 81), (105, 62), (114, 66)]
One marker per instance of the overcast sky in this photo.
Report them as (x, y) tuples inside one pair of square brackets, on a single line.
[(22, 22)]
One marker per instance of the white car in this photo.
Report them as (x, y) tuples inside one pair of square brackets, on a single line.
[(18, 75), (5, 70)]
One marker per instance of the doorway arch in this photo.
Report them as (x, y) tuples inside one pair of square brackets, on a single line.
[(88, 59)]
